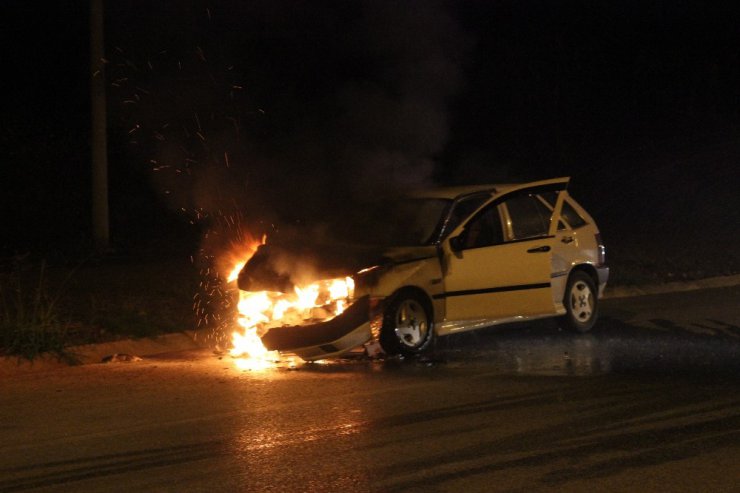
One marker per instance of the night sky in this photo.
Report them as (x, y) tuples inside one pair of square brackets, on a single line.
[(285, 109)]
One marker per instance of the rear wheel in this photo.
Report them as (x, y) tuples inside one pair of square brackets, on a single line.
[(581, 302), (408, 328)]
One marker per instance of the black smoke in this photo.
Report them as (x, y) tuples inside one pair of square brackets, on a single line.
[(282, 111)]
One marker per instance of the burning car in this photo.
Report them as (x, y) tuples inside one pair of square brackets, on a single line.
[(442, 261)]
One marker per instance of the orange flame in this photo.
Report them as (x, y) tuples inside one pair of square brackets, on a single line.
[(240, 255), (262, 310)]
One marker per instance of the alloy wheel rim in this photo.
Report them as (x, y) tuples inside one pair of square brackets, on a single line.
[(581, 301), (411, 323)]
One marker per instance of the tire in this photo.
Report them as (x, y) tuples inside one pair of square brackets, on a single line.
[(408, 326), (581, 303)]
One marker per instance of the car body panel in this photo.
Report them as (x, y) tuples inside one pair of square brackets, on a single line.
[(424, 273), (489, 281), (447, 327), (353, 338)]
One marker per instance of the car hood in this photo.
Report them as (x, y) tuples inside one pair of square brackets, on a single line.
[(279, 266)]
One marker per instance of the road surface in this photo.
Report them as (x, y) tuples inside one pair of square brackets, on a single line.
[(649, 401)]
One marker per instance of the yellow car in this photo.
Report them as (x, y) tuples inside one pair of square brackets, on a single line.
[(453, 259)]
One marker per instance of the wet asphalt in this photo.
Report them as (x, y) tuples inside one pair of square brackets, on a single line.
[(648, 401), (690, 333)]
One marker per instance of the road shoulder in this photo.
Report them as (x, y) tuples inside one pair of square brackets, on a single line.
[(181, 341), (672, 287)]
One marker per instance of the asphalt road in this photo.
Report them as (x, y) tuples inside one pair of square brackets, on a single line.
[(648, 401)]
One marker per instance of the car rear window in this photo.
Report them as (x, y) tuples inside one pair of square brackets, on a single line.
[(571, 216)]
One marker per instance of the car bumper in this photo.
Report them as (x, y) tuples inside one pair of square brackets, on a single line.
[(325, 339), (603, 275)]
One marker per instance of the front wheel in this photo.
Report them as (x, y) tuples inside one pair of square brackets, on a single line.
[(408, 327), (581, 302)]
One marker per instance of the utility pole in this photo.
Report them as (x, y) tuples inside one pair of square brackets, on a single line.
[(99, 144)]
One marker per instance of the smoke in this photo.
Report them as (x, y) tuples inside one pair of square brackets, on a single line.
[(391, 110), (286, 109), (396, 121)]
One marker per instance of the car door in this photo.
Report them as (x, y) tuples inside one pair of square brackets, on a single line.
[(498, 264)]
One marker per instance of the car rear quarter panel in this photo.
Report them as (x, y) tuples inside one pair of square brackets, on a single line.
[(576, 249)]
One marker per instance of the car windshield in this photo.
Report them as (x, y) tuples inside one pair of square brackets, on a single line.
[(387, 222), (413, 222), (398, 222)]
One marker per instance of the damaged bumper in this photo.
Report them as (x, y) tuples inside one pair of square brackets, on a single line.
[(325, 339)]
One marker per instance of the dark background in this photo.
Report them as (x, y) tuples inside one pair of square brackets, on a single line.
[(276, 110)]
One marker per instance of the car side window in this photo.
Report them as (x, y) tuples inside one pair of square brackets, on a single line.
[(465, 208), (571, 216), (484, 229), (550, 197), (530, 218)]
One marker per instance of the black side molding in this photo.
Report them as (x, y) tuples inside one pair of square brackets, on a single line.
[(500, 289)]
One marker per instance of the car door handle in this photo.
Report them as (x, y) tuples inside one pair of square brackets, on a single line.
[(541, 249), (567, 239)]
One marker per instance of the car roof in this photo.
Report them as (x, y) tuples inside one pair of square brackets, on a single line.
[(452, 192), (457, 191)]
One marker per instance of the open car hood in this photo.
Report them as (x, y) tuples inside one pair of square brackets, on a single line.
[(280, 266)]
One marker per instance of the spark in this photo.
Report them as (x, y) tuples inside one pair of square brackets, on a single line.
[(199, 52)]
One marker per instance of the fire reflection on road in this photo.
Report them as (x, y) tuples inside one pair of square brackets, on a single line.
[(541, 349)]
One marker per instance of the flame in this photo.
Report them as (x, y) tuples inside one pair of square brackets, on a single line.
[(240, 255), (262, 310), (235, 272)]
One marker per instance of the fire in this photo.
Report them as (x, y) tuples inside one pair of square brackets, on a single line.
[(262, 310), (240, 255)]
